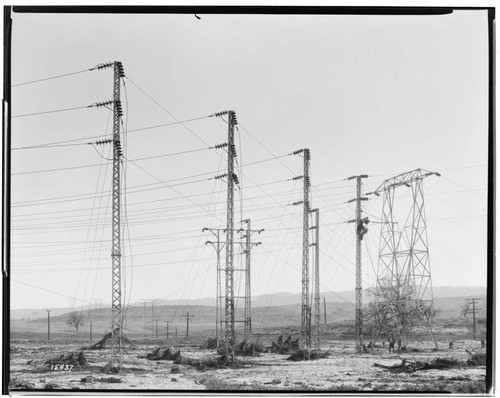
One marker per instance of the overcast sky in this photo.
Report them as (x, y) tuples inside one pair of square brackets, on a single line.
[(379, 95)]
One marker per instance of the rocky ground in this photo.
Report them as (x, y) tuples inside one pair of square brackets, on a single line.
[(342, 370)]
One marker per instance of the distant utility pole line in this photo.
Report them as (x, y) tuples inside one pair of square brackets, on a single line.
[(360, 231), (187, 316), (218, 246), (145, 315), (474, 311), (168, 323), (306, 206)]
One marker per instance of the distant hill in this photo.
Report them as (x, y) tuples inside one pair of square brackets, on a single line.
[(447, 297)]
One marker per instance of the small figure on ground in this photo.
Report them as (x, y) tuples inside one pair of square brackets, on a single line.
[(392, 341), (451, 345)]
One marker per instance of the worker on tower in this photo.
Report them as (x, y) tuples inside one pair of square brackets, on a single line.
[(361, 228)]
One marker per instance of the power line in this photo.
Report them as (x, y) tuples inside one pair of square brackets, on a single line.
[(56, 143), (51, 78), (52, 111), (171, 115)]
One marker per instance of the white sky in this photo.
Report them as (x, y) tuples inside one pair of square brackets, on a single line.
[(379, 95)]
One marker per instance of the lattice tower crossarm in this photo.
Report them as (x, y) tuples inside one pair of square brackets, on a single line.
[(116, 309)]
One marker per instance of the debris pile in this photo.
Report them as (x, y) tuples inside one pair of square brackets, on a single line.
[(74, 358), (164, 353), (306, 355), (201, 364), (412, 366), (105, 339), (21, 384), (284, 347), (211, 343), (249, 349), (476, 359)]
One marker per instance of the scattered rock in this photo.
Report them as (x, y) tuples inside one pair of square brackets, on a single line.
[(110, 380), (275, 381), (44, 380), (88, 379), (51, 386), (173, 379), (29, 362), (175, 369), (24, 385)]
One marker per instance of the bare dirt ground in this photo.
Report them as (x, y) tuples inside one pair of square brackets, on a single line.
[(343, 370)]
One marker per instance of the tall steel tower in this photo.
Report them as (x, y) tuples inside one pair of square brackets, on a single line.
[(247, 330), (306, 208), (231, 179), (218, 246), (316, 279), (404, 273), (360, 230), (404, 253), (116, 298)]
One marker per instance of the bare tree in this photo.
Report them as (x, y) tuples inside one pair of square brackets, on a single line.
[(75, 320), (394, 310)]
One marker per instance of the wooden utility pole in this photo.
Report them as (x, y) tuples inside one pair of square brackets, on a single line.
[(187, 316), (324, 305), (48, 325), (168, 323), (474, 311), (156, 328), (90, 330)]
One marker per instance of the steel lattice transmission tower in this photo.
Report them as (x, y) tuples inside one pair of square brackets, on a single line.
[(218, 247), (404, 273), (306, 206), (231, 180), (360, 230), (116, 295), (247, 329), (316, 279)]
